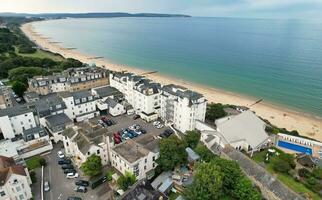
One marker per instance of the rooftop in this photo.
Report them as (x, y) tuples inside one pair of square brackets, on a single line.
[(131, 151), (245, 126), (59, 119), (111, 102), (9, 167), (142, 190), (181, 92), (14, 111), (107, 91)]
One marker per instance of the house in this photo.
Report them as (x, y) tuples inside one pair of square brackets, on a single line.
[(163, 183), (71, 80), (15, 120), (306, 160), (182, 107), (137, 156), (14, 180), (5, 97), (35, 141), (142, 190), (56, 124), (80, 105), (106, 92), (86, 139), (244, 131), (115, 108)]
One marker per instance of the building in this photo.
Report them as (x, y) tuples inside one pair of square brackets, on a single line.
[(142, 190), (163, 182), (109, 100), (74, 79), (80, 105), (182, 107), (31, 97), (84, 140), (114, 108), (14, 180), (35, 141), (296, 144), (137, 156), (5, 97), (243, 132), (56, 124), (15, 120)]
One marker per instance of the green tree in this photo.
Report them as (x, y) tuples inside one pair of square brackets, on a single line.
[(280, 165), (215, 111), (42, 162), (191, 138), (109, 175), (126, 180), (207, 183), (172, 153), (92, 166), (317, 172), (204, 153), (245, 190), (19, 88)]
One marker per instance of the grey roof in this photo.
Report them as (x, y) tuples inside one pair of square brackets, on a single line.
[(107, 91), (48, 104), (29, 133), (192, 156), (59, 119), (131, 151), (142, 190), (77, 94), (147, 87), (245, 126), (111, 102), (15, 111), (181, 92), (31, 95), (163, 181)]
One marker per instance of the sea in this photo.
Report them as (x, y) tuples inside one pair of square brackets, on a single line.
[(277, 60)]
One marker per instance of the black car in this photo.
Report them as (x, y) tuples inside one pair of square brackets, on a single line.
[(82, 183), (143, 131), (74, 198), (168, 132), (64, 161), (66, 171), (67, 166), (109, 122), (80, 189), (136, 117)]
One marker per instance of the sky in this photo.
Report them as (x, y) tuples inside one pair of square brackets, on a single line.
[(210, 8)]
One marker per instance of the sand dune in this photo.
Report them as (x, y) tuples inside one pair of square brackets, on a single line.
[(306, 124)]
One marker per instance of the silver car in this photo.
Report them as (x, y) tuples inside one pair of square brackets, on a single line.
[(46, 186)]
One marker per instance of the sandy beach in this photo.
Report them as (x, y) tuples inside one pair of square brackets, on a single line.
[(306, 124)]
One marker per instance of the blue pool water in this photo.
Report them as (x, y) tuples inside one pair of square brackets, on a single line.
[(294, 147)]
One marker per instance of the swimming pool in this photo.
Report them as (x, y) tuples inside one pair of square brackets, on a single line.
[(294, 147)]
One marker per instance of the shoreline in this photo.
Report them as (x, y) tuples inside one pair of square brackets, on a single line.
[(304, 123)]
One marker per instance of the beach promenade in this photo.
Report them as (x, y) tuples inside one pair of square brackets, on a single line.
[(306, 124)]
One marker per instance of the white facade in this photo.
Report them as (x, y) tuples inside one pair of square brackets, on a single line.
[(182, 107), (15, 123), (80, 109), (16, 187)]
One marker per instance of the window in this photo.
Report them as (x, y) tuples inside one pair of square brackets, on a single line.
[(21, 197), (18, 188), (153, 165), (144, 167), (2, 193), (146, 160), (67, 144), (153, 158), (98, 151)]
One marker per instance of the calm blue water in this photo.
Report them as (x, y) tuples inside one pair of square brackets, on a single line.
[(277, 60)]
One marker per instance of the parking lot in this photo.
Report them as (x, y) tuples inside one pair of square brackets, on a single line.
[(60, 186), (124, 121)]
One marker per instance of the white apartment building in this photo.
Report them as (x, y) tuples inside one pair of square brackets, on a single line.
[(182, 107), (137, 156), (14, 180), (80, 105), (5, 97), (84, 140), (15, 120)]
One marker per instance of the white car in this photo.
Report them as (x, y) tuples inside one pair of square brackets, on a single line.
[(60, 154), (156, 123), (72, 175), (160, 126), (46, 186)]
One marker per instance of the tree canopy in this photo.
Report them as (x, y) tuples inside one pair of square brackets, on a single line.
[(215, 111), (126, 180), (92, 166), (191, 138)]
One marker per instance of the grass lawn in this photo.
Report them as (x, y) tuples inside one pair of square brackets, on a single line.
[(284, 178), (41, 54), (33, 162), (173, 196)]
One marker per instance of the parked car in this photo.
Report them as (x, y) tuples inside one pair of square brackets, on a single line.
[(72, 175), (117, 140), (60, 154), (67, 171), (46, 186), (74, 198), (135, 117), (156, 123), (67, 166), (160, 126), (143, 131), (64, 161), (168, 132), (162, 135), (82, 183), (80, 189)]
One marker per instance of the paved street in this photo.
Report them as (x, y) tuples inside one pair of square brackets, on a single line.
[(60, 187)]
